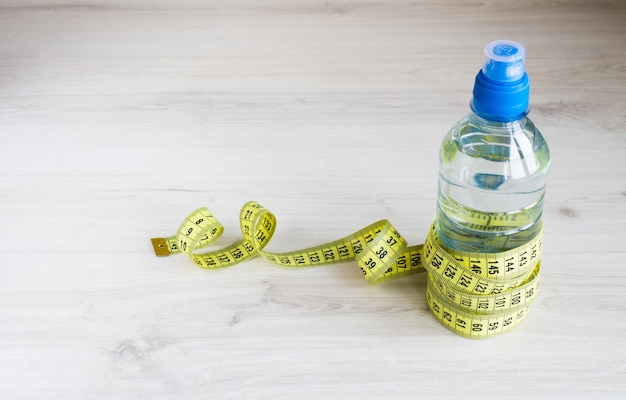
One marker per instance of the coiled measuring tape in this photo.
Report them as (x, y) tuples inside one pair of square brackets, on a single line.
[(475, 295)]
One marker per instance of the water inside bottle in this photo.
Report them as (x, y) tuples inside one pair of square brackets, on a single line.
[(491, 185)]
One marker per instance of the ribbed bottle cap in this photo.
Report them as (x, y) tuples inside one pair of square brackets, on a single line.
[(501, 89)]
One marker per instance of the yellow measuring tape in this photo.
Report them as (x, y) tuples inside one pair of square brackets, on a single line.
[(475, 295)]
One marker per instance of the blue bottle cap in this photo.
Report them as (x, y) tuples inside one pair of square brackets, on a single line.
[(501, 89)]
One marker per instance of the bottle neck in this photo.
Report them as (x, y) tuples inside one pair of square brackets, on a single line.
[(499, 125)]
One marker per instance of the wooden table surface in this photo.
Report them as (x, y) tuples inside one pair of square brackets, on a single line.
[(118, 118)]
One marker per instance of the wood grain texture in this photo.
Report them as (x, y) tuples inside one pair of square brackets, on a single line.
[(117, 118)]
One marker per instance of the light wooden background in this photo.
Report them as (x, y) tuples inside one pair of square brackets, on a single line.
[(117, 118)]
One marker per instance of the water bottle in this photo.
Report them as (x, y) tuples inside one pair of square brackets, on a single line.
[(493, 162)]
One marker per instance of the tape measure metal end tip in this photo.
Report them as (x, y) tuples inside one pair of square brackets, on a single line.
[(160, 246)]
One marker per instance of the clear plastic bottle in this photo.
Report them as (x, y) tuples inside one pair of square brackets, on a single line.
[(493, 162)]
